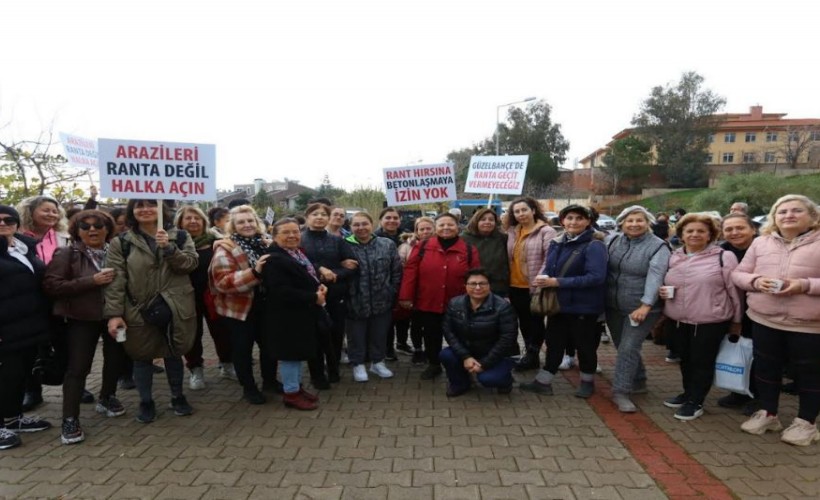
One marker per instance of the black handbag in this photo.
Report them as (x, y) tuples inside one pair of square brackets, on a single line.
[(49, 366), (157, 313)]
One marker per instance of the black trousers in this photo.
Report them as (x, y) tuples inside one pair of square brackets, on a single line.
[(773, 349), (579, 330), (697, 346), (532, 326), (329, 343), (243, 335), (13, 366), (430, 325), (82, 338)]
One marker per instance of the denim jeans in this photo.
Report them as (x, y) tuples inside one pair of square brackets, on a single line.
[(629, 367), (144, 377), (499, 375), (291, 373)]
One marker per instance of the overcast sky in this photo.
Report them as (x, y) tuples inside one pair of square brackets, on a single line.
[(298, 89)]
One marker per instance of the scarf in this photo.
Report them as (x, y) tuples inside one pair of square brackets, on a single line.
[(203, 240), (46, 246), (301, 258), (96, 255), (253, 247)]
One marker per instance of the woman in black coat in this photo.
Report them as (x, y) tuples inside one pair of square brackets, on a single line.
[(24, 314), (295, 299)]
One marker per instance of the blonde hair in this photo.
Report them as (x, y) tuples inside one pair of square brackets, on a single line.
[(243, 209), (419, 221), (710, 222), (27, 207), (195, 209), (770, 227)]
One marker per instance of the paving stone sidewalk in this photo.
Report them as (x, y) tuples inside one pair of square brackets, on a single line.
[(403, 438)]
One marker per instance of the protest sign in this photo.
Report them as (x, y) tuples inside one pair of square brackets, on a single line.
[(270, 215), (496, 174), (79, 151), (420, 184), (157, 170)]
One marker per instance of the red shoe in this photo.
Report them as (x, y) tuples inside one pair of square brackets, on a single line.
[(295, 400), (313, 398)]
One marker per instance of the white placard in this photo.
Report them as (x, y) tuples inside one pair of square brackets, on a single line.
[(79, 151), (420, 184), (157, 170), (270, 215), (496, 174)]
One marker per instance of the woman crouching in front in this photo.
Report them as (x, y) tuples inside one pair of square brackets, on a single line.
[(295, 301)]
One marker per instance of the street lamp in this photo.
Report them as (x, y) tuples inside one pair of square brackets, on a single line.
[(498, 119)]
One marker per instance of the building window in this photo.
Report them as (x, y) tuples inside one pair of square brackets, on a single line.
[(711, 138), (749, 158), (771, 136), (769, 157), (710, 158), (729, 137), (728, 157), (751, 137), (794, 137), (815, 135)]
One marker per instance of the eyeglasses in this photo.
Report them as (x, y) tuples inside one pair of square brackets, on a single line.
[(9, 221), (477, 284), (85, 226)]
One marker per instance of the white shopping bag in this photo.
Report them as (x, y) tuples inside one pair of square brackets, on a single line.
[(733, 365)]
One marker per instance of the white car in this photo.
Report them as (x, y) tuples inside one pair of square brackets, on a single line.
[(607, 223)]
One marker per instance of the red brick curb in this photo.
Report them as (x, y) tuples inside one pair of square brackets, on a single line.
[(680, 475)]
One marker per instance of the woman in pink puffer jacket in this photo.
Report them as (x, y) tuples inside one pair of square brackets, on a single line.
[(704, 308), (781, 273)]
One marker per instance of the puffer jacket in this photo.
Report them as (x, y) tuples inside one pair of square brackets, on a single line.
[(24, 308), (487, 334), (232, 281), (637, 267), (772, 257), (492, 249), (432, 280), (582, 287), (69, 280), (374, 290), (536, 245), (138, 280), (704, 291)]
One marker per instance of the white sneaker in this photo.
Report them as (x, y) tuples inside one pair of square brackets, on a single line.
[(359, 374), (760, 422), (227, 371), (381, 370), (800, 433), (605, 338), (197, 381), (598, 368), (566, 363), (344, 359)]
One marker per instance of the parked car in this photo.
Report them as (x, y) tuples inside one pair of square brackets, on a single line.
[(607, 223)]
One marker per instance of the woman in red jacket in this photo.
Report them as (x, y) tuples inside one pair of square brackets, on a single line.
[(433, 275)]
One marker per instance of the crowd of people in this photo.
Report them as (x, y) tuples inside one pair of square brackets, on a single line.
[(149, 278)]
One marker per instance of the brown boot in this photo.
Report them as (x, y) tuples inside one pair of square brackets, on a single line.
[(295, 400)]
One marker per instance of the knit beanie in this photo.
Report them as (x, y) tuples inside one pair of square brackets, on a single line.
[(634, 208), (8, 210)]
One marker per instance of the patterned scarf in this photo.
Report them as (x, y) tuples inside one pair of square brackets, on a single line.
[(96, 255), (302, 259), (253, 247)]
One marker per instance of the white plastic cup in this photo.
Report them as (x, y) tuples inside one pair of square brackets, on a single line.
[(121, 334), (777, 285), (633, 322), (669, 291), (542, 276)]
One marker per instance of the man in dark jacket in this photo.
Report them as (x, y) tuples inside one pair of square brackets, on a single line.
[(481, 329)]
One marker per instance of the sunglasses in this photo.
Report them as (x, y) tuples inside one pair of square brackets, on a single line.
[(85, 226), (9, 221)]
